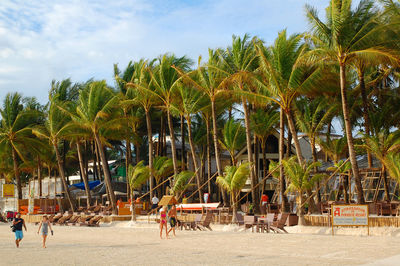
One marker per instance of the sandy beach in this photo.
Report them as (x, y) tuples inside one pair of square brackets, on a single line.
[(123, 244)]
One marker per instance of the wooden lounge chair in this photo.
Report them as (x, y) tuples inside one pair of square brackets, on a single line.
[(95, 221), (64, 219), (206, 223), (279, 225), (56, 218), (96, 210), (73, 220)]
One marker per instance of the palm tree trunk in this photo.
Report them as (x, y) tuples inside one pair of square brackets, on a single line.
[(365, 112), (217, 154), (193, 150), (127, 162), (208, 156), (346, 189), (254, 195), (83, 174), (292, 129), (62, 175), (39, 174), (150, 139), (282, 183), (172, 139), (385, 183), (300, 210), (98, 162), (234, 207), (183, 143), (264, 164), (289, 140), (107, 177), (16, 173), (349, 135)]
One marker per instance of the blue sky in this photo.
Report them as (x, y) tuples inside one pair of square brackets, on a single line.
[(41, 40)]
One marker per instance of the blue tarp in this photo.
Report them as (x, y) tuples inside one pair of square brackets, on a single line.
[(81, 185)]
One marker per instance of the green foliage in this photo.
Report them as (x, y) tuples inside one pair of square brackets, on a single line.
[(234, 137), (138, 175), (301, 177), (234, 178), (181, 181), (163, 167)]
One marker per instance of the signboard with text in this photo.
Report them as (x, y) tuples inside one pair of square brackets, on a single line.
[(350, 215), (8, 190)]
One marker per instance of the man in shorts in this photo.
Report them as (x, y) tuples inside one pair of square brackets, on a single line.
[(172, 218), (18, 223)]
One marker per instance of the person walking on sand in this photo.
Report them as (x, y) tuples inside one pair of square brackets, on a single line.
[(172, 219), (45, 225), (18, 223), (163, 222), (154, 202)]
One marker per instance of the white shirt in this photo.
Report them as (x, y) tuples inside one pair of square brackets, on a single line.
[(155, 200)]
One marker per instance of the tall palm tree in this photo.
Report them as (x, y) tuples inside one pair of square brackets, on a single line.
[(341, 40), (240, 62), (55, 129), (233, 181), (164, 79), (190, 101), (97, 110), (263, 124), (210, 79), (312, 116), (15, 132)]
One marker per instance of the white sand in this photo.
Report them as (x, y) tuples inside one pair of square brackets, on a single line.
[(137, 244)]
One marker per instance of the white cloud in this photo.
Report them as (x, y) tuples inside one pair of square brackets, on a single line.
[(43, 40)]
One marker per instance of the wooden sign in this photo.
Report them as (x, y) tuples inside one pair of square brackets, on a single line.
[(350, 215), (8, 190)]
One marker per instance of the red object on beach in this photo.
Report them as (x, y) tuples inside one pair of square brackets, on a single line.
[(197, 206)]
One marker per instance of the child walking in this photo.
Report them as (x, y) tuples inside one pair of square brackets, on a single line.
[(45, 225)]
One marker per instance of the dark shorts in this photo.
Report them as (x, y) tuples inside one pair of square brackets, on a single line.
[(172, 221), (154, 206)]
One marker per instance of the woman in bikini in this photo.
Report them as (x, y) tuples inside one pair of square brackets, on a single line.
[(163, 222), (45, 225)]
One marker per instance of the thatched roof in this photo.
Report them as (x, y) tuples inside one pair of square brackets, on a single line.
[(168, 200)]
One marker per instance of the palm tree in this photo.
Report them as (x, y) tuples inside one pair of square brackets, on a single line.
[(190, 101), (380, 145), (210, 79), (341, 40), (263, 124), (164, 78), (15, 132), (182, 182), (55, 129), (240, 61), (137, 175), (233, 181), (300, 181), (234, 135), (312, 116), (96, 111)]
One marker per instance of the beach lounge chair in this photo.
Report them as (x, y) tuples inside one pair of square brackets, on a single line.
[(55, 218), (206, 223), (96, 209), (279, 225), (64, 219), (73, 220), (94, 221)]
